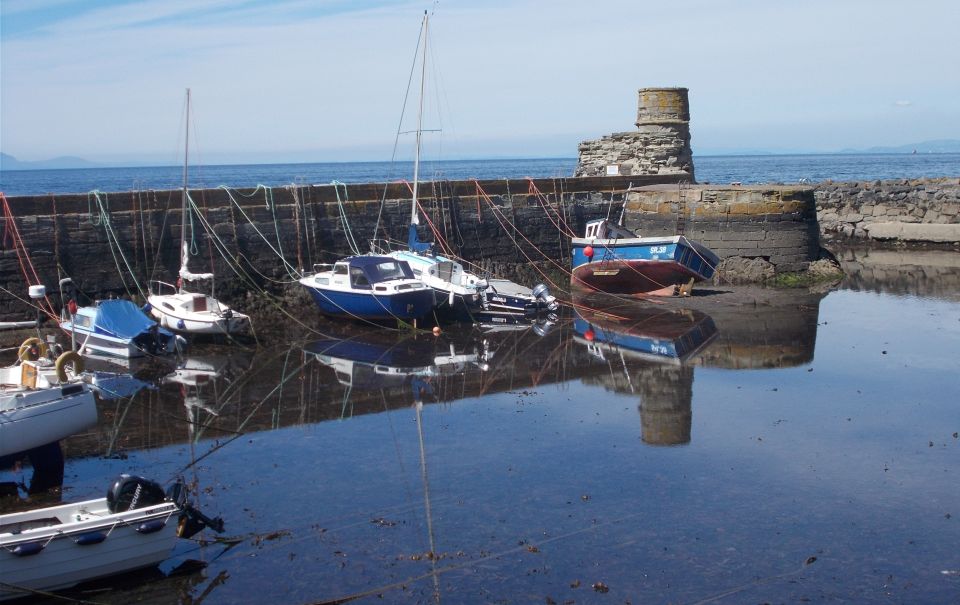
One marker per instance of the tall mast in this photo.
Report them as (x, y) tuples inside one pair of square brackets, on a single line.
[(183, 195), (414, 220)]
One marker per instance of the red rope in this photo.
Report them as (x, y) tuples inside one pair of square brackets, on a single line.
[(12, 234), (562, 225)]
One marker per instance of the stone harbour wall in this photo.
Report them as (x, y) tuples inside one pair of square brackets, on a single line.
[(775, 224), (113, 245), (906, 211)]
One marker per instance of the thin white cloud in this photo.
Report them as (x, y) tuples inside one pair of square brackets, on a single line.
[(903, 103)]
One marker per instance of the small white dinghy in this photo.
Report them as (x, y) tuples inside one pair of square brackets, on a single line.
[(43, 400), (133, 527)]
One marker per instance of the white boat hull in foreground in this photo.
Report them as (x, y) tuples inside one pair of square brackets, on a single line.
[(37, 408), (61, 546)]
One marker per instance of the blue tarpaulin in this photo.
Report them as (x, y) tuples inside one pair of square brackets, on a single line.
[(122, 318)]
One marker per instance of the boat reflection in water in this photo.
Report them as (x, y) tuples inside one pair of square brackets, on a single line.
[(201, 379), (652, 346), (370, 361)]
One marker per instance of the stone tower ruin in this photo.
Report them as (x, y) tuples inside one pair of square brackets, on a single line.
[(659, 145)]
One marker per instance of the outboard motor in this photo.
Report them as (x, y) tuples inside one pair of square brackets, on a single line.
[(542, 293), (129, 492), (191, 520)]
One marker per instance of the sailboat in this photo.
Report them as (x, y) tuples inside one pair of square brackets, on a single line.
[(459, 294), (175, 307)]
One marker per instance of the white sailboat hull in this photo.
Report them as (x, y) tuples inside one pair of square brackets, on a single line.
[(32, 418), (179, 313), (36, 408), (196, 323)]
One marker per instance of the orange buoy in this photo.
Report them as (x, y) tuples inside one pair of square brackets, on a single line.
[(589, 335), (588, 252), (436, 330)]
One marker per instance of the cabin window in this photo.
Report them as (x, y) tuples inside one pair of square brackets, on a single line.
[(391, 270), (340, 270), (445, 270), (199, 303), (358, 279), (167, 305), (323, 281)]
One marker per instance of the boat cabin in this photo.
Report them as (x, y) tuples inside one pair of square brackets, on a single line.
[(604, 229), (189, 303), (366, 272)]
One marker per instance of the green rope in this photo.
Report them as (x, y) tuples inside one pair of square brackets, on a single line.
[(103, 218), (343, 216)]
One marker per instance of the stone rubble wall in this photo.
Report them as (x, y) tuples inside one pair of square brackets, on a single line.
[(901, 210), (651, 149)]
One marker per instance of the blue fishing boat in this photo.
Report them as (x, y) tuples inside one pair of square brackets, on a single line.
[(613, 259), (369, 287)]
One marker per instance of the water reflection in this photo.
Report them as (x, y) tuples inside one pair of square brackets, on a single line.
[(641, 348), (202, 380), (542, 482), (927, 273), (370, 361), (646, 348), (44, 487)]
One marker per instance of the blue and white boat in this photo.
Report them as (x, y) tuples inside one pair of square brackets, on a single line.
[(613, 259), (118, 328), (463, 296), (369, 287)]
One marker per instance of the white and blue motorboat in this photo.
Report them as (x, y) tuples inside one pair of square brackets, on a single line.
[(118, 328), (463, 296), (613, 259), (369, 287)]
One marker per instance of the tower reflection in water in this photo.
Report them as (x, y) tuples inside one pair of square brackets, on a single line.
[(650, 348)]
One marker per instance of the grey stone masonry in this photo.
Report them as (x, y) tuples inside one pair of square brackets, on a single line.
[(660, 145), (917, 210)]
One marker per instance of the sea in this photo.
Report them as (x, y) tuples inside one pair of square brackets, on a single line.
[(709, 169)]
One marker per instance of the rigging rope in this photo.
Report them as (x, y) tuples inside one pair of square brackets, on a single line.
[(12, 234), (103, 218), (343, 217)]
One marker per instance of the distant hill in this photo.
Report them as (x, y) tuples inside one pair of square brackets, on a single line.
[(940, 146), (8, 162)]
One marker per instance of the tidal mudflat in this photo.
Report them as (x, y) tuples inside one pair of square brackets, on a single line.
[(802, 446)]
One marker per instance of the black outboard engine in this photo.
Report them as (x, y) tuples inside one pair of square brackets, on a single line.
[(191, 520), (129, 492)]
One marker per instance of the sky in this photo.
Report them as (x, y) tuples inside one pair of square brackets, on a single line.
[(325, 80)]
